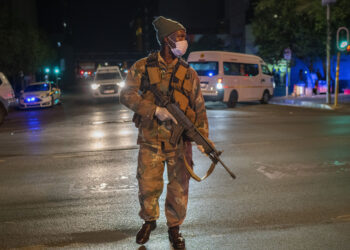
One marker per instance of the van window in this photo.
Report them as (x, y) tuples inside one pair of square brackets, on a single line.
[(251, 69), (232, 69), (205, 68), (265, 70), (240, 69)]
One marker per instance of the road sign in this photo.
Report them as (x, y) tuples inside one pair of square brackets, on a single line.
[(287, 54), (325, 2)]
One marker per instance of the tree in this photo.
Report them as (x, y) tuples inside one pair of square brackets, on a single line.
[(22, 47), (297, 24)]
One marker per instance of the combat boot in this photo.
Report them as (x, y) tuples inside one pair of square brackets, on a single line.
[(176, 238), (145, 231)]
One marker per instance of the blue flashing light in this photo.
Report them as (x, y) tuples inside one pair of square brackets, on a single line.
[(210, 74), (31, 99), (45, 85)]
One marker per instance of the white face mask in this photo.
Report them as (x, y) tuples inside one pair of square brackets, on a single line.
[(180, 49)]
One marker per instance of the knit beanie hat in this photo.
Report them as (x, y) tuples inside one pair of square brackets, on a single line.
[(165, 27)]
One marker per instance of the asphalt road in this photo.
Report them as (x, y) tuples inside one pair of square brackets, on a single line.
[(67, 180)]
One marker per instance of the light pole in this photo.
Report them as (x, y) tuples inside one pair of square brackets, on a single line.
[(328, 48)]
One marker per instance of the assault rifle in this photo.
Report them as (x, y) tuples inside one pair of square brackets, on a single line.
[(184, 125)]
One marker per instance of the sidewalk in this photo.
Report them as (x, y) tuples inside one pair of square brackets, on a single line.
[(318, 102)]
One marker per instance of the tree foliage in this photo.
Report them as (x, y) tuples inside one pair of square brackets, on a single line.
[(297, 24), (22, 47)]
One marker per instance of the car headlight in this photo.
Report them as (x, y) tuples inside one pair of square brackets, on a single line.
[(95, 86), (121, 84), (219, 85)]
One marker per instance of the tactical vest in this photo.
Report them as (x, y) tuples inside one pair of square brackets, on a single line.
[(180, 85)]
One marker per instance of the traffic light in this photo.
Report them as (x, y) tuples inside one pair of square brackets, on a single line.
[(57, 70), (348, 49), (342, 38), (47, 70), (343, 45)]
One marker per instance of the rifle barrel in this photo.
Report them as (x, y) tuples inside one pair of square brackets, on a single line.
[(227, 169)]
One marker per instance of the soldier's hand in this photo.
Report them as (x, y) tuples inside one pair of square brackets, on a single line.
[(164, 115), (201, 148)]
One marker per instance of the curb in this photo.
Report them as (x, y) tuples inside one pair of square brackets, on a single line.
[(302, 104)]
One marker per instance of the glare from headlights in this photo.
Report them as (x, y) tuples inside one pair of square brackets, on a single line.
[(95, 86), (219, 86), (121, 84)]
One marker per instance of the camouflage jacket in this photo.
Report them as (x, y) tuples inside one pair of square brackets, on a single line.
[(144, 104)]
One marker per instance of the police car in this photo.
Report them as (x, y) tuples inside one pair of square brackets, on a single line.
[(40, 95), (7, 96)]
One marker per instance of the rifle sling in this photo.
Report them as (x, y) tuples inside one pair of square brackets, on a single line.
[(196, 177)]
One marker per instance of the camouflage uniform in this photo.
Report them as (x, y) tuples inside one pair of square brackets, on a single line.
[(155, 148)]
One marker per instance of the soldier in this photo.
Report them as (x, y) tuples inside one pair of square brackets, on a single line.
[(176, 79)]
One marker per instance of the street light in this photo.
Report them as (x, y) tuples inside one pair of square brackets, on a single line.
[(57, 71)]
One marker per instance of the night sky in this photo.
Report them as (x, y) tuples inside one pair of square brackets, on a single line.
[(109, 25), (103, 26), (92, 26)]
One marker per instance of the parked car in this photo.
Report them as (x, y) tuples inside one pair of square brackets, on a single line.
[(108, 82), (232, 77), (40, 95), (7, 96)]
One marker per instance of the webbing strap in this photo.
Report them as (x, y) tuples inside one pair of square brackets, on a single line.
[(196, 177)]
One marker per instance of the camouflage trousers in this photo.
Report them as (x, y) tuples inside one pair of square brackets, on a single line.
[(151, 162)]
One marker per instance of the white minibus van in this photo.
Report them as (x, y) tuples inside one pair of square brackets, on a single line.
[(232, 77)]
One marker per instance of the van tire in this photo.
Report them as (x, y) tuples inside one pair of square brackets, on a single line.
[(265, 98), (232, 101), (2, 114)]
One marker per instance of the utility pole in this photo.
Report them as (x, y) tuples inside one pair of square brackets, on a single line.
[(328, 49), (287, 54), (328, 101)]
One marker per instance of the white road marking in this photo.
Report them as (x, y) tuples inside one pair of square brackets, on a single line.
[(271, 174), (99, 188), (67, 156)]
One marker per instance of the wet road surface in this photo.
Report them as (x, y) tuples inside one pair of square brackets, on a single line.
[(67, 180)]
